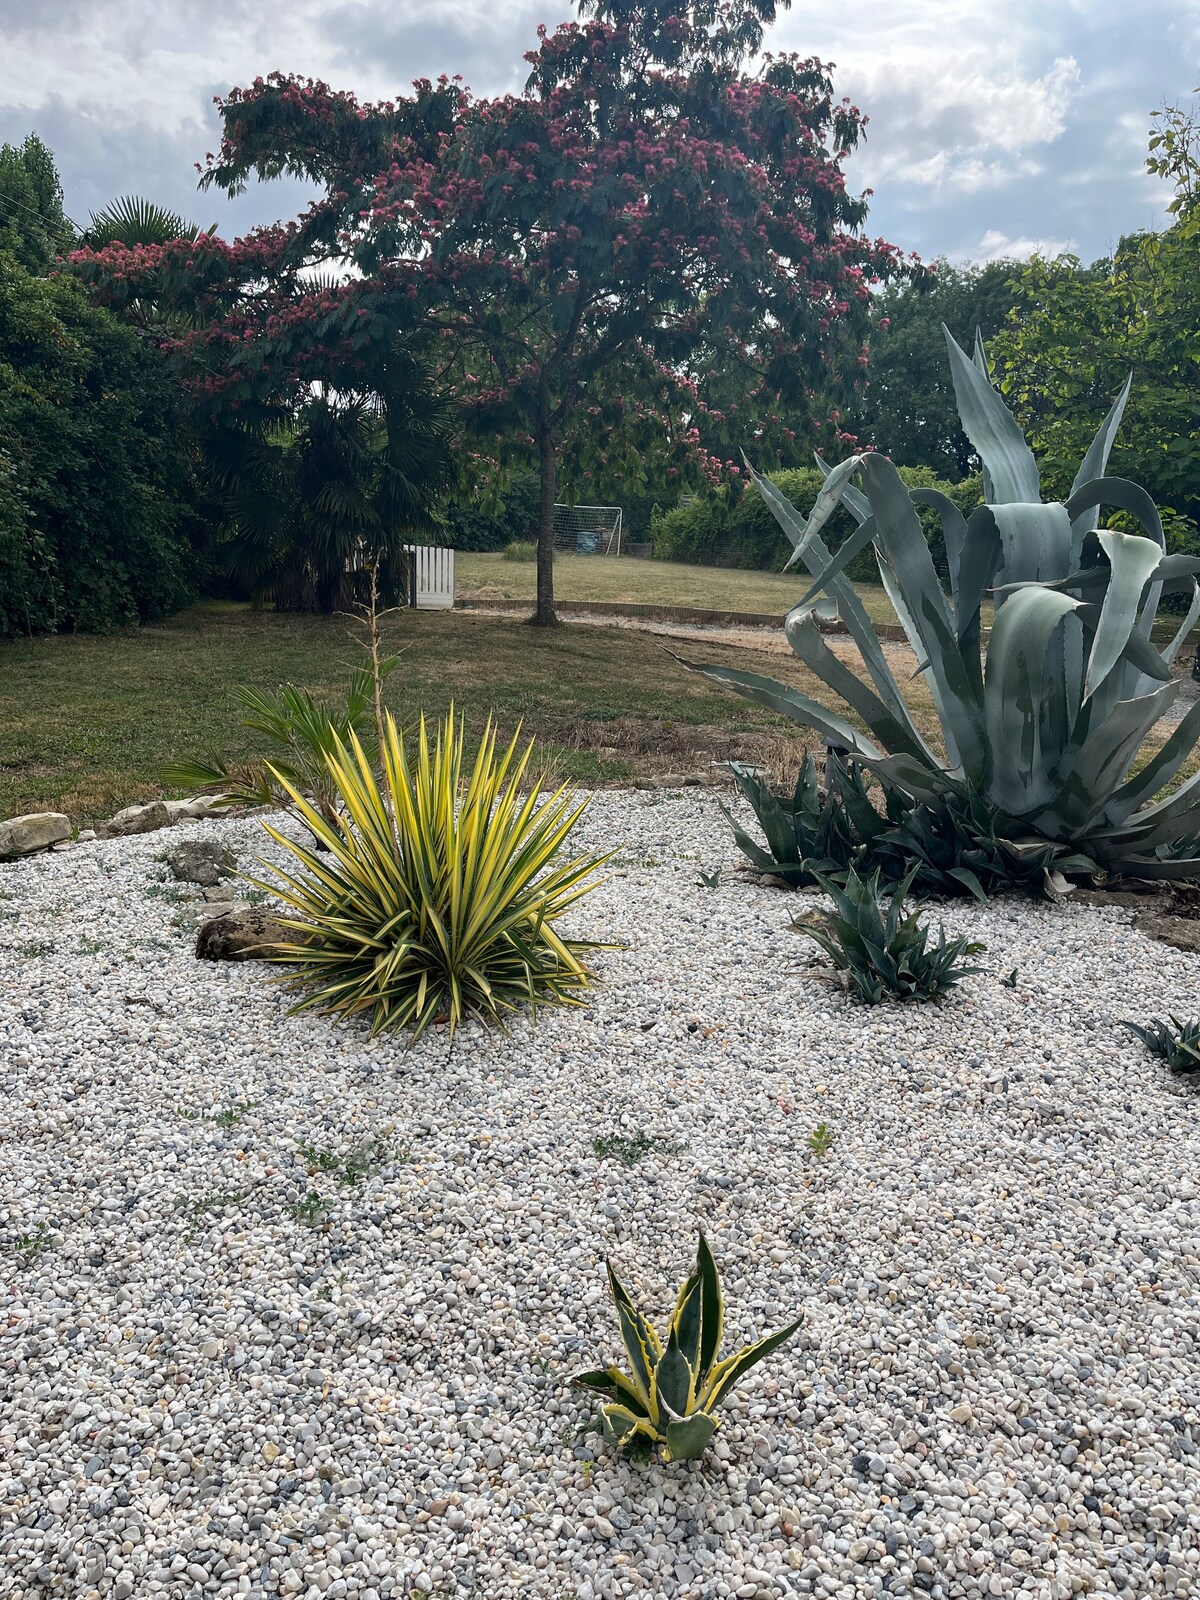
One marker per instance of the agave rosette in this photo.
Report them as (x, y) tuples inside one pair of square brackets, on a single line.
[(1046, 731)]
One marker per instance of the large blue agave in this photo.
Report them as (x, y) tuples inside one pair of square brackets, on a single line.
[(1046, 731)]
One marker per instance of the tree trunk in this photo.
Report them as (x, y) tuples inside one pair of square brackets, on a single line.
[(545, 616)]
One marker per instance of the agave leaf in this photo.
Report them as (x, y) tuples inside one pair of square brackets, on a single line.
[(1132, 560), (893, 733), (686, 1440), (1157, 772), (713, 1307), (827, 501), (789, 703), (992, 429), (1013, 691), (612, 1381), (954, 530), (642, 1344), (1185, 627), (1103, 758), (687, 1322), (843, 556), (621, 1425), (1096, 459), (672, 1384), (857, 503), (730, 1371), (1126, 496)]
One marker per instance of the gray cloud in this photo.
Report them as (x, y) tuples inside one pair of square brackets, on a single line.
[(994, 127)]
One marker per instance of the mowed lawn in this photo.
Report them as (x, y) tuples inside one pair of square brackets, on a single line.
[(87, 722), (658, 583)]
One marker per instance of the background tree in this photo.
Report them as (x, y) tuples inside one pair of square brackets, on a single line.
[(907, 408), (645, 213), (33, 227)]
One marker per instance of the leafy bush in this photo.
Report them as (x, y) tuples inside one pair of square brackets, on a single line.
[(520, 550), (301, 733), (478, 525), (1176, 1041), (94, 530), (438, 894), (719, 530), (882, 956), (669, 1394)]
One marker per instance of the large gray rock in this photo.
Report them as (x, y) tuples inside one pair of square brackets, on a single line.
[(249, 935), (198, 861), (1182, 932), (137, 819), (21, 836)]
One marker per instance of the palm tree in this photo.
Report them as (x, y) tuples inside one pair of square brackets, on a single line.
[(131, 221)]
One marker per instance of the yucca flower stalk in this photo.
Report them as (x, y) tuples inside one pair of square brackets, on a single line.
[(437, 891)]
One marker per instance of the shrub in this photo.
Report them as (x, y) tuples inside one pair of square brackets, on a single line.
[(881, 955), (94, 531), (480, 525), (669, 1394), (301, 733), (520, 550), (1176, 1041), (437, 893), (717, 530)]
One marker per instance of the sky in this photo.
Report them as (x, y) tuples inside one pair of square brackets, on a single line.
[(997, 127)]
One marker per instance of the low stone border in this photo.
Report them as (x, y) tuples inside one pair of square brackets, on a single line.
[(649, 613)]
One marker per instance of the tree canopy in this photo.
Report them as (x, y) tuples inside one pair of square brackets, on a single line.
[(647, 212)]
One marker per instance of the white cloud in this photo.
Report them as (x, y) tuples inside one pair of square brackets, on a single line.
[(996, 246)]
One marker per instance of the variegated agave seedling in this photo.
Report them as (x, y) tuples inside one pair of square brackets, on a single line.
[(1047, 733), (670, 1392)]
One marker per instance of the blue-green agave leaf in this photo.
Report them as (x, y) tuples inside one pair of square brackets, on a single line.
[(1096, 459), (992, 429)]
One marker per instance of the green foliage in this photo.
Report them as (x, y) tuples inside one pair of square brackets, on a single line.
[(719, 530), (629, 1149), (813, 833), (301, 734), (890, 955), (1047, 734), (1176, 1041), (820, 1140), (492, 523), (132, 220), (33, 229), (94, 530), (907, 408), (436, 893), (669, 1394), (520, 550)]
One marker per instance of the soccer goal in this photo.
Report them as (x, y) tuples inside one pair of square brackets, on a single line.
[(588, 530)]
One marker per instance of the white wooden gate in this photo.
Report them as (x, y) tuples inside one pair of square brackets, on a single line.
[(434, 570)]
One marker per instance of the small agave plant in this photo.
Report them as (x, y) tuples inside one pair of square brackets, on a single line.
[(670, 1392), (1046, 732), (1175, 1040)]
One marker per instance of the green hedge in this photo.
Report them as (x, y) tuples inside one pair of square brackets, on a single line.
[(719, 530), (470, 527), (94, 525)]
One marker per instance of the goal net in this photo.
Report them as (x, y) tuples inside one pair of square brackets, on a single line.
[(588, 530)]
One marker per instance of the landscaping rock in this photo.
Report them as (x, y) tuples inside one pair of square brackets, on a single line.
[(21, 836), (137, 819), (1182, 932), (193, 810), (201, 861), (241, 935)]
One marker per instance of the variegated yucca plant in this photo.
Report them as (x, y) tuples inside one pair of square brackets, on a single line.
[(1046, 732), (437, 887), (670, 1392)]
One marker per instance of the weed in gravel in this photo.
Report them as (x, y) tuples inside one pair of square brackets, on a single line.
[(90, 947), (629, 1151), (228, 1117), (820, 1139), (310, 1208), (710, 880), (31, 1245), (205, 1205), (360, 1161), (36, 948), (168, 891)]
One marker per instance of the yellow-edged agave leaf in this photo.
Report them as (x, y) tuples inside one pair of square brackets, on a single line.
[(642, 1344), (687, 1439), (437, 889), (726, 1373), (621, 1424), (615, 1383)]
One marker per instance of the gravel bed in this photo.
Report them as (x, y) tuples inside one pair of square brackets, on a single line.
[(223, 1373)]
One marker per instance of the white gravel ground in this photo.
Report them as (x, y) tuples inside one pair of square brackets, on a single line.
[(203, 1393)]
